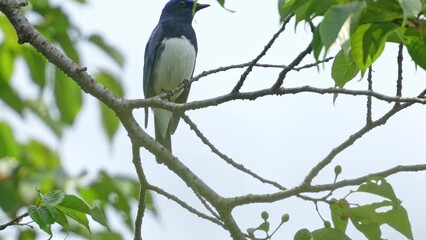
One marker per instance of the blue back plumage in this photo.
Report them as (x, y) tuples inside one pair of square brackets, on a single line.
[(169, 60)]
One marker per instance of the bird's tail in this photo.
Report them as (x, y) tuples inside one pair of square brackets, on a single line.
[(166, 141)]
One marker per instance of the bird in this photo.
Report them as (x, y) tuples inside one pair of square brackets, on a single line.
[(170, 56)]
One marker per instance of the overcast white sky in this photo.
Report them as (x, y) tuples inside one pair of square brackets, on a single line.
[(280, 138)]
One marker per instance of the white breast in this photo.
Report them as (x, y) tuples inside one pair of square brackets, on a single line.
[(175, 64)]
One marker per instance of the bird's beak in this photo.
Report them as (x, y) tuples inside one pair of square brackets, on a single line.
[(201, 6)]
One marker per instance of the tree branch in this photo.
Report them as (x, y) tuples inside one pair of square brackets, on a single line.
[(14, 221), (273, 197), (223, 156), (244, 76), (159, 103), (142, 193), (184, 205)]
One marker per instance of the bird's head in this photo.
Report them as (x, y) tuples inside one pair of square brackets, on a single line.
[(181, 9)]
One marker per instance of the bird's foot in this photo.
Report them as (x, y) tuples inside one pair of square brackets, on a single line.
[(185, 84)]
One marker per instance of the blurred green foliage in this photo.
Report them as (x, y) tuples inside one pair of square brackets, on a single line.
[(32, 164)]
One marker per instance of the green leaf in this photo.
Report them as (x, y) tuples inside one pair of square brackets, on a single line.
[(367, 220), (334, 19), (117, 192), (340, 214), (68, 97), (36, 64), (410, 8), (99, 217), (7, 60), (11, 97), (76, 209), (329, 234), (368, 42), (40, 156), (379, 186), (415, 42), (40, 216), (317, 44), (264, 226), (9, 145), (115, 55), (221, 2), (303, 234), (381, 11), (110, 121), (61, 218), (288, 7), (74, 203), (106, 236), (39, 108), (398, 219), (27, 235), (344, 68), (52, 199)]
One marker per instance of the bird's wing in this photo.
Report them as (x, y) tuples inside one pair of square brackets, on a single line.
[(152, 51)]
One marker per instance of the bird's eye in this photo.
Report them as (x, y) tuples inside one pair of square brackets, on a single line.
[(182, 4)]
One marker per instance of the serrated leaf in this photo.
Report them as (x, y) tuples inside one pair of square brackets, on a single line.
[(329, 234), (78, 216), (99, 217), (415, 42), (344, 68), (288, 7), (368, 42), (74, 203), (303, 234), (38, 217), (68, 97), (53, 198), (333, 21), (61, 218), (379, 186), (115, 55), (381, 11)]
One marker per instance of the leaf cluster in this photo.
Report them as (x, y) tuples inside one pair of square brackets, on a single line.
[(368, 27)]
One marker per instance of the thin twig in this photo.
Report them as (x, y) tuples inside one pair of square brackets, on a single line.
[(184, 205), (223, 156), (158, 103), (265, 49), (303, 188), (400, 58), (14, 221), (293, 64), (142, 193), (262, 65), (206, 205), (369, 101)]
